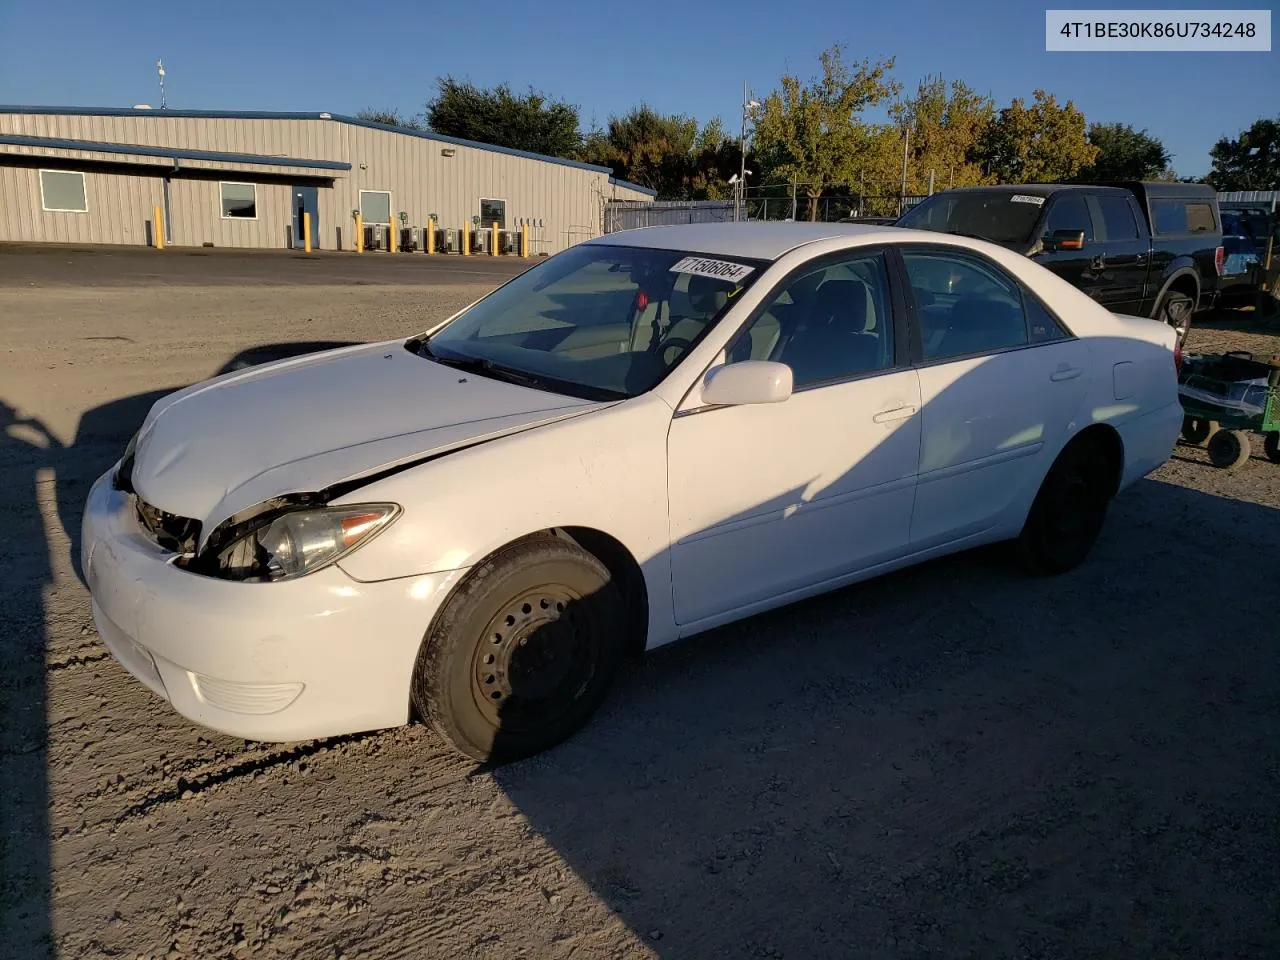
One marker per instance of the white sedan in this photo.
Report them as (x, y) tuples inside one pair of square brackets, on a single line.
[(648, 435)]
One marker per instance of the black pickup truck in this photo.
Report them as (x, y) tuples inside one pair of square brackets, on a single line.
[(1149, 249)]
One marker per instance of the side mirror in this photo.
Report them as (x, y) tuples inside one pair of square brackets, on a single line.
[(1064, 240), (751, 381)]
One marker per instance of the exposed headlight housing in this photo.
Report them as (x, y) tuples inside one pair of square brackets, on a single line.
[(292, 544)]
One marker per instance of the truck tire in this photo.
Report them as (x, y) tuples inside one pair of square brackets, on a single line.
[(1175, 309)]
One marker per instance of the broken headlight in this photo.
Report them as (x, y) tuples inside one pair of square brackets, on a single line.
[(298, 542)]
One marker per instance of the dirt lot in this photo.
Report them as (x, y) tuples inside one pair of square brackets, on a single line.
[(951, 762)]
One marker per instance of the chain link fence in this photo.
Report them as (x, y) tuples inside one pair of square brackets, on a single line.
[(632, 214)]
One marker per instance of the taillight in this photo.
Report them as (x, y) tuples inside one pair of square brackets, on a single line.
[(1219, 258)]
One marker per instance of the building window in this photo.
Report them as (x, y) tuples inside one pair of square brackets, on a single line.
[(239, 201), (491, 210), (375, 207), (63, 191)]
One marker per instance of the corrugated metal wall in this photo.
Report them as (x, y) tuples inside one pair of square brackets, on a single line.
[(119, 205), (421, 178)]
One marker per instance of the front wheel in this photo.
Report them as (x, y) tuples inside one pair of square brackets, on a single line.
[(523, 652), (1067, 514)]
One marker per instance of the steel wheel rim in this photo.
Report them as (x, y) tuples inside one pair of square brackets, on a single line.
[(534, 660)]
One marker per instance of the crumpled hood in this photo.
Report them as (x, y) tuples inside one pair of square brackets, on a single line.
[(219, 447)]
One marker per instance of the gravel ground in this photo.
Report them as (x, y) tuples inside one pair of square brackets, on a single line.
[(954, 761)]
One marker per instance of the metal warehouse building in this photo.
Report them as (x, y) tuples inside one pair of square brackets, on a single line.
[(71, 175)]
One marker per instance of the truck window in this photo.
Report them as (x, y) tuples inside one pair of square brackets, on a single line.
[(1070, 212), (1182, 216), (1117, 215)]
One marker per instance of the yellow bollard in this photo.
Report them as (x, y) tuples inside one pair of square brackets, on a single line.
[(157, 229), (431, 235), (306, 232), (466, 238), (359, 234), (524, 239), (493, 246), (391, 237)]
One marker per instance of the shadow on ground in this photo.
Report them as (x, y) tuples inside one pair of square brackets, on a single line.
[(32, 456), (955, 761)]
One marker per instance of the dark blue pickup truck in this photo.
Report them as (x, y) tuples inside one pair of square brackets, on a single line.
[(1150, 249)]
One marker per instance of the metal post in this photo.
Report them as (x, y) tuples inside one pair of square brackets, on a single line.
[(793, 197), (306, 232), (493, 240), (157, 229), (931, 183), (742, 146), (524, 239), (391, 234), (466, 237), (906, 145), (359, 233), (431, 236)]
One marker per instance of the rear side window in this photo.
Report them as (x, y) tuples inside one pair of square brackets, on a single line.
[(1118, 217), (1182, 216)]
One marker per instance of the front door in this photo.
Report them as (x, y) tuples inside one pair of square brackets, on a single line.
[(1000, 381), (772, 498), (1083, 268), (306, 200)]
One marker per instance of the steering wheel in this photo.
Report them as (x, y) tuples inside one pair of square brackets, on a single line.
[(672, 343)]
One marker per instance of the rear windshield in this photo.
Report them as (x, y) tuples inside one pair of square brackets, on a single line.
[(997, 215)]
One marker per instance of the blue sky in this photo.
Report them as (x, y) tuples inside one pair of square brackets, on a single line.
[(689, 57)]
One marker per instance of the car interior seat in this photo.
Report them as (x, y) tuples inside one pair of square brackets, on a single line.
[(833, 339)]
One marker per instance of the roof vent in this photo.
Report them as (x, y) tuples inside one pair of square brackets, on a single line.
[(142, 106), (326, 116)]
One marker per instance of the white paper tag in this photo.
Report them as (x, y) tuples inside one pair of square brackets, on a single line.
[(1024, 198), (719, 269)]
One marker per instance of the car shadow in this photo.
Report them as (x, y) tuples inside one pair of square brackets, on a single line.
[(952, 761), (32, 459)]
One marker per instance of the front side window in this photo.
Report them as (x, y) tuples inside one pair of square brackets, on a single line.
[(493, 211), (966, 306), (62, 191), (375, 207), (595, 321), (828, 323), (239, 201), (1069, 211)]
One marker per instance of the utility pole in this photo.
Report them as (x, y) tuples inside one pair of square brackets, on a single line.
[(793, 196), (906, 145), (160, 74), (740, 194)]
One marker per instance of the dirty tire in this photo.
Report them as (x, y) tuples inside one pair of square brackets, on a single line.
[(1272, 447), (523, 652), (1229, 449), (1196, 430), (1069, 509), (1176, 309)]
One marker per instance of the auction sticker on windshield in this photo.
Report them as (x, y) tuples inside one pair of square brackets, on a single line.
[(720, 269), (1025, 198)]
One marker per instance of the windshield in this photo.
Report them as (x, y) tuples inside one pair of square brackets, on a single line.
[(995, 215), (597, 321)]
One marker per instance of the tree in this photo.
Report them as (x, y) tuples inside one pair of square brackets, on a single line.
[(813, 133), (391, 118), (1249, 162), (665, 152), (1043, 143), (947, 122), (531, 121), (1124, 154)]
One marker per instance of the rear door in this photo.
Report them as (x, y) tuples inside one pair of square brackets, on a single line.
[(1000, 381), (1124, 249)]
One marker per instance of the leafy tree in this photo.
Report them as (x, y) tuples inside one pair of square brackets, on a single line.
[(667, 153), (390, 117), (947, 122), (1124, 154), (531, 121), (813, 133), (1249, 162), (1042, 143)]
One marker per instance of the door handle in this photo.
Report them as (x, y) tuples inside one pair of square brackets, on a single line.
[(897, 413), (1066, 372)]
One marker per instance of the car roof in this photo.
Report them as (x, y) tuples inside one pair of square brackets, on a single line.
[(754, 240), (1035, 189)]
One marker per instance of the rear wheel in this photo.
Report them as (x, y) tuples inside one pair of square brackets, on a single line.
[(523, 653), (1272, 446), (1175, 309), (1229, 449), (1067, 514), (1196, 430)]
